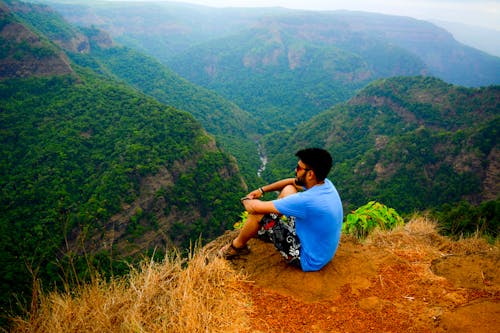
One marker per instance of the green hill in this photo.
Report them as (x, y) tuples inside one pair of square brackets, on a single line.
[(282, 77), (412, 143), (234, 129), (25, 53)]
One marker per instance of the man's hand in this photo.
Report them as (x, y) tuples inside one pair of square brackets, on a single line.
[(254, 206), (255, 194)]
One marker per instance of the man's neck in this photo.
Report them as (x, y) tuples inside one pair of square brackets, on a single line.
[(308, 186)]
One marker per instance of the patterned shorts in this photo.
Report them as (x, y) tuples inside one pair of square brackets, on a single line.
[(280, 230)]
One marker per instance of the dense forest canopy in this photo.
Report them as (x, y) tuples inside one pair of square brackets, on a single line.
[(75, 151), (234, 129)]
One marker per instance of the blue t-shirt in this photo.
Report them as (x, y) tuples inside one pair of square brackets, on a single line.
[(318, 221)]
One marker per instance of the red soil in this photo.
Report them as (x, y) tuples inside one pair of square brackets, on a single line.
[(398, 282)]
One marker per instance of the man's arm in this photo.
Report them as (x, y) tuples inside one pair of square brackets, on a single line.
[(276, 186), (254, 206), (264, 207), (279, 185)]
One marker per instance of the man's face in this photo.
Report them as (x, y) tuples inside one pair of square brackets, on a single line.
[(301, 171)]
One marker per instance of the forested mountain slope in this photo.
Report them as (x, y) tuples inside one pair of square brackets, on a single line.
[(234, 129), (25, 53), (92, 171), (286, 65), (412, 143)]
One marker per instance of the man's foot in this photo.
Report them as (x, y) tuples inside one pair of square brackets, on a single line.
[(229, 251)]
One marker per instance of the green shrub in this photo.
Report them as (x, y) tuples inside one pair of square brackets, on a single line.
[(241, 223), (464, 219), (369, 217)]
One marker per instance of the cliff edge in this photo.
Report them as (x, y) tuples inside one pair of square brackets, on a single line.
[(407, 280)]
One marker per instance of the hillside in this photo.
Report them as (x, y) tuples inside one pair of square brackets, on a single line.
[(91, 166), (26, 53), (437, 139), (234, 128), (280, 77), (410, 279)]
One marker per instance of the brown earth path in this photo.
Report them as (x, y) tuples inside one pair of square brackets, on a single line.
[(410, 280)]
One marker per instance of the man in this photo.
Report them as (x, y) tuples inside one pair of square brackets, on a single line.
[(304, 223)]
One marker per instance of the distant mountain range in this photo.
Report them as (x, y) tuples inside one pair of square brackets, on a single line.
[(285, 66), (487, 40)]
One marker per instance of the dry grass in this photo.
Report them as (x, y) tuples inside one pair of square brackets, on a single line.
[(421, 230), (202, 296)]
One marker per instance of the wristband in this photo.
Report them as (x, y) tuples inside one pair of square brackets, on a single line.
[(261, 190)]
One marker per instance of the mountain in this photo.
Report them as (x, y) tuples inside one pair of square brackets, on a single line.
[(234, 128), (444, 57), (487, 40), (412, 143), (286, 66), (93, 171), (288, 69)]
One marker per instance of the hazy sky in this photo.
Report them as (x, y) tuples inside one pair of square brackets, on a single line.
[(482, 13)]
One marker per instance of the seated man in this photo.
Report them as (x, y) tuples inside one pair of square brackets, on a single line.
[(304, 223)]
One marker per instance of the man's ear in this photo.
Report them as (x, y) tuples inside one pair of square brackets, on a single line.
[(311, 175)]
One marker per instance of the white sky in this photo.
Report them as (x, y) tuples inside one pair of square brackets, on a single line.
[(481, 13)]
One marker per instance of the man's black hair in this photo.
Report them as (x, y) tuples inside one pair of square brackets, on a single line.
[(317, 159)]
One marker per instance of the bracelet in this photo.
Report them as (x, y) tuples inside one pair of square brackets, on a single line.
[(261, 190)]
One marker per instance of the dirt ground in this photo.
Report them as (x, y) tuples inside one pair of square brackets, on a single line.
[(410, 280)]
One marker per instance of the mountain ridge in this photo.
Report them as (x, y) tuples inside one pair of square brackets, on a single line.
[(412, 34)]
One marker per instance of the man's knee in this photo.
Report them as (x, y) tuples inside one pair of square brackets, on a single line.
[(287, 190)]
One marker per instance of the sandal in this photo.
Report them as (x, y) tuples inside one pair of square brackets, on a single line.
[(230, 251)]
